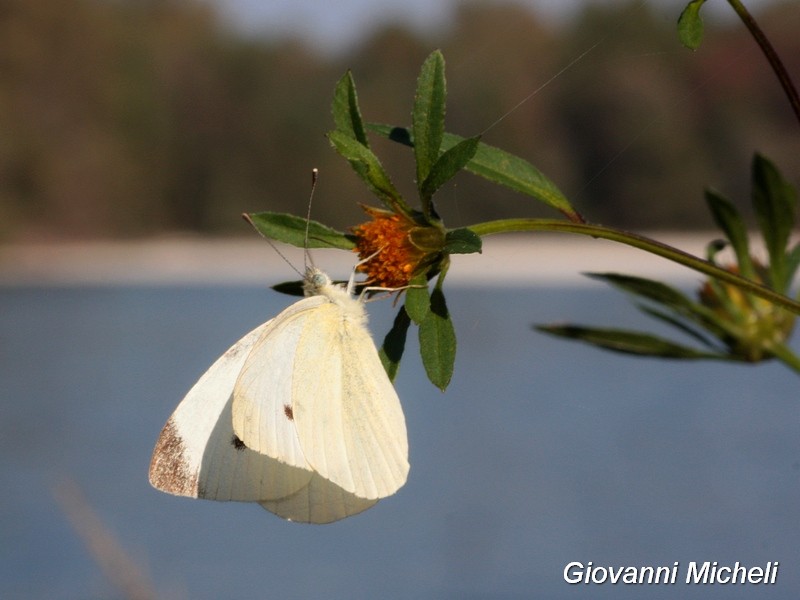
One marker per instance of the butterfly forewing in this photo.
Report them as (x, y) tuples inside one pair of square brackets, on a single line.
[(198, 454)]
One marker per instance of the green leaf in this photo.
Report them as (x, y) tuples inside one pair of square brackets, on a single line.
[(291, 229), (516, 173), (792, 262), (437, 342), (728, 219), (690, 25), (295, 288), (401, 135), (418, 301), (349, 124), (498, 166), (369, 168), (448, 164), (678, 324), (290, 288), (346, 114), (663, 294), (628, 342), (774, 201), (462, 241), (394, 344), (428, 114), (655, 291)]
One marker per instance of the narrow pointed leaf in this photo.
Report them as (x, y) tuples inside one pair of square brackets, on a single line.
[(516, 173), (437, 341), (679, 325), (690, 25), (774, 201), (295, 288), (655, 291), (728, 219), (418, 300), (291, 229), (368, 167), (346, 113), (498, 166), (428, 114), (667, 296), (462, 241), (628, 342), (792, 262), (448, 164), (394, 344), (290, 288)]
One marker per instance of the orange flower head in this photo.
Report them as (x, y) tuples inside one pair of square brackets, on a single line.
[(389, 239)]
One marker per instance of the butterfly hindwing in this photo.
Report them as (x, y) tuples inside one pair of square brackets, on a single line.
[(321, 501)]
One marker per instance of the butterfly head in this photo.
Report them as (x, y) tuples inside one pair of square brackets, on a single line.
[(315, 281)]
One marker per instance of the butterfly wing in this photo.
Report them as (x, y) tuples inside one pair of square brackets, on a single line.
[(347, 414), (321, 501), (262, 414), (198, 455), (318, 368)]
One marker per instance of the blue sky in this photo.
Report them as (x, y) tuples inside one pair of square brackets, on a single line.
[(335, 25)]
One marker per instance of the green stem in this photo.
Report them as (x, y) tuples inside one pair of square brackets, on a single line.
[(772, 56), (641, 242)]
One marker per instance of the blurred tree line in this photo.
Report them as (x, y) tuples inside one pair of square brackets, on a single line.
[(140, 117)]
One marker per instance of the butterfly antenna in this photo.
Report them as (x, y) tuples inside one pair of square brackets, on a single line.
[(306, 256), (314, 177), (247, 218)]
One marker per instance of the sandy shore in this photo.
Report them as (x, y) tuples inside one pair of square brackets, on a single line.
[(506, 260)]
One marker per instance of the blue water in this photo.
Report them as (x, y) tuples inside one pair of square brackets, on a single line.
[(540, 453)]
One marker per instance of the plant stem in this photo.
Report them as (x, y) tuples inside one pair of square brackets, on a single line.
[(772, 56), (641, 242)]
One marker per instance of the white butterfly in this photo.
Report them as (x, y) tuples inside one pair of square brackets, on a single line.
[(299, 415)]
